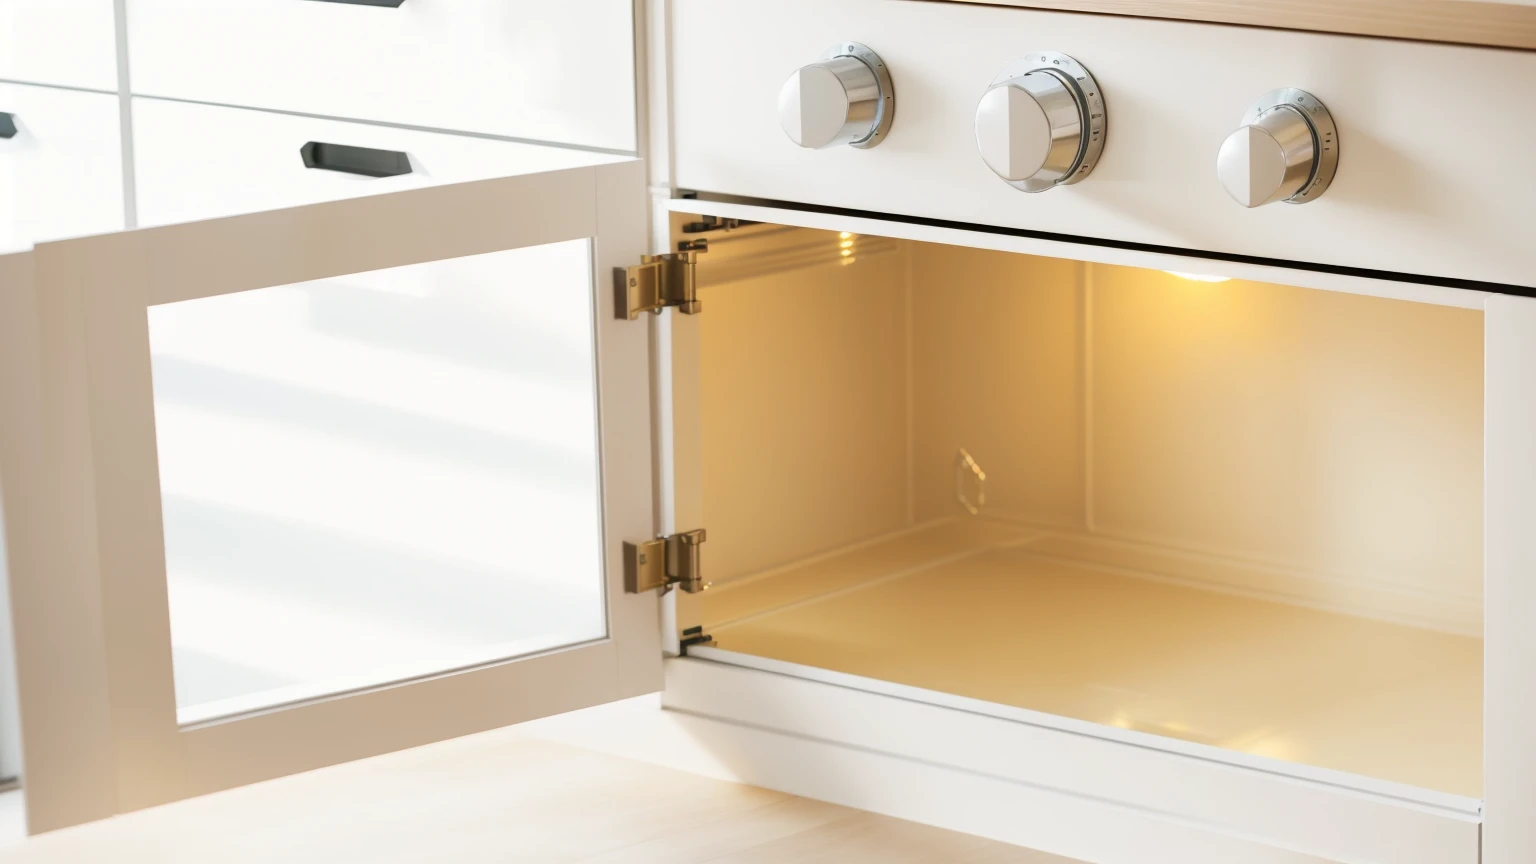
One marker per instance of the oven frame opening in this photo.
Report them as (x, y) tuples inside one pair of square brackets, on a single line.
[(1510, 370)]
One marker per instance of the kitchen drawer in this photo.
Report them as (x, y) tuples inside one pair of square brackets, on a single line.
[(1412, 195), (71, 43), (501, 67), (202, 161), (61, 174)]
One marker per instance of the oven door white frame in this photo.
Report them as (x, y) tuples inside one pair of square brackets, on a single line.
[(713, 685), (83, 507)]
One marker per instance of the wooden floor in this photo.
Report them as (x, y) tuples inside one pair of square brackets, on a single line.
[(488, 799), (974, 609)]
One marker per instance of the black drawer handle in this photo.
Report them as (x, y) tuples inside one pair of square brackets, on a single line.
[(355, 160), (7, 125), (393, 4)]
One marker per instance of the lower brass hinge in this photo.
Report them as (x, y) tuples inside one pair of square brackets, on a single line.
[(664, 562), (657, 282)]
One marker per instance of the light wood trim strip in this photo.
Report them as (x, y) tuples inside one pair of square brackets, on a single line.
[(1465, 22)]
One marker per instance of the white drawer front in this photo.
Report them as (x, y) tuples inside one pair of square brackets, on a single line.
[(1434, 175), (202, 162), (559, 72), (61, 174), (70, 43)]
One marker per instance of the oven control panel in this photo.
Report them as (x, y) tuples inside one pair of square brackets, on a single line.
[(1211, 124)]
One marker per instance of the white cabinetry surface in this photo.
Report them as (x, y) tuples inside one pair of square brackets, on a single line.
[(61, 174), (66, 43), (555, 72)]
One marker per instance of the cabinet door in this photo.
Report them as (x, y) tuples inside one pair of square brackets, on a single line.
[(303, 486)]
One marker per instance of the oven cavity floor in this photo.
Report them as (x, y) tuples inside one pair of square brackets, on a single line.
[(973, 609)]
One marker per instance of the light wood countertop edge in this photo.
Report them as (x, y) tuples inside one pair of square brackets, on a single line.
[(1464, 22)]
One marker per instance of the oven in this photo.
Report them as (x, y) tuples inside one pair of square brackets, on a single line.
[(1115, 416)]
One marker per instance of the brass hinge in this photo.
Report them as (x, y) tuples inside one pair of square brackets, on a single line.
[(664, 562), (657, 282)]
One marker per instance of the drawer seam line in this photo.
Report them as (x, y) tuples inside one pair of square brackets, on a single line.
[(608, 151), (70, 87)]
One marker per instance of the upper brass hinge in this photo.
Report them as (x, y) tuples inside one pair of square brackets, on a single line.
[(657, 282), (664, 562)]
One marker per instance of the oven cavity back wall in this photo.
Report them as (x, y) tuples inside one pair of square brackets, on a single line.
[(1307, 446)]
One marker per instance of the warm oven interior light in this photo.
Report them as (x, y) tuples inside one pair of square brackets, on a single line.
[(845, 246), (1197, 277)]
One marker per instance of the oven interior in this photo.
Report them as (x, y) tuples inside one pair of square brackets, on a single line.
[(1241, 514)]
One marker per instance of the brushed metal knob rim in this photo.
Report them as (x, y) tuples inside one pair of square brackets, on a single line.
[(846, 97), (1061, 135), (1287, 149)]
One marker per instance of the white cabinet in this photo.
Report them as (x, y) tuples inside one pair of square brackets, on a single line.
[(68, 43), (201, 161), (61, 173), (556, 72), (313, 253)]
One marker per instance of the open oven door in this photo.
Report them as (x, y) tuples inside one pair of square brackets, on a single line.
[(308, 485)]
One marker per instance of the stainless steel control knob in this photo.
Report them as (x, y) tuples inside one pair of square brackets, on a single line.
[(846, 98), (1287, 150), (1041, 124)]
